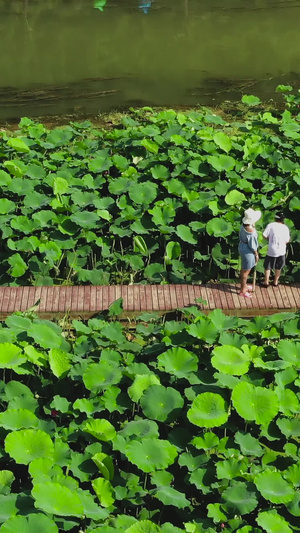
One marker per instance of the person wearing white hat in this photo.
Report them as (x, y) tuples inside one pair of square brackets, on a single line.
[(248, 247)]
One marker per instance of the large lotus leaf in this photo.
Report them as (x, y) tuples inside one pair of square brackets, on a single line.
[(218, 227), (6, 479), (45, 335), (8, 507), (16, 168), (214, 511), (249, 445), (288, 401), (141, 383), (54, 498), (292, 475), (208, 410), (18, 145), (294, 506), (105, 464), (11, 355), (273, 487), (99, 376), (151, 454), (59, 362), (223, 141), (18, 419), (143, 193), (101, 429), (6, 206), (143, 526), (230, 360), (234, 197), (85, 219), (140, 428), (272, 522), (5, 179), (60, 185), (207, 442), (29, 524), (221, 162), (28, 444), (161, 403), (222, 321), (203, 329), (185, 233), (18, 265), (239, 499), (160, 172), (231, 468), (289, 427), (289, 351), (178, 361), (114, 331), (104, 491), (255, 403), (151, 146), (171, 496)]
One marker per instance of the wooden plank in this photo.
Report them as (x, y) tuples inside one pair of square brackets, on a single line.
[(277, 294), (220, 292), (227, 292), (191, 294), (148, 291), (161, 298), (236, 300), (167, 297), (93, 298), (173, 297), (62, 308), (290, 296), (296, 291), (43, 303), (118, 292), (105, 297), (124, 295), (56, 291), (50, 296), (80, 299), (284, 296), (261, 297), (24, 300), (272, 297), (130, 299), (87, 297), (31, 296), (154, 298), (179, 296), (210, 296), (185, 295), (137, 297), (111, 294), (99, 298), (217, 296), (5, 299), (12, 301), (200, 291), (143, 298)]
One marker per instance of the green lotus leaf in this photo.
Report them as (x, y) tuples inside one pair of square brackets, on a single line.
[(36, 356), (6, 479), (255, 403), (221, 162), (41, 468), (154, 272), (18, 145), (208, 410), (231, 468), (5, 180), (289, 427), (249, 445), (59, 362), (104, 491), (151, 146), (85, 219), (18, 265), (29, 524), (143, 193), (11, 355), (173, 251), (16, 168), (28, 444), (140, 428), (234, 197), (18, 419), (60, 186), (288, 401), (184, 232), (221, 321), (202, 478), (294, 506), (139, 245), (105, 464), (289, 351), (6, 206), (114, 331), (272, 522), (203, 329), (207, 442), (214, 511), (100, 4), (151, 454), (101, 429), (292, 475), (161, 403), (230, 360), (273, 487), (218, 227), (143, 526), (239, 499), (223, 141), (8, 507), (178, 362), (54, 498), (160, 172), (99, 376), (250, 100), (45, 335), (141, 383), (171, 496)]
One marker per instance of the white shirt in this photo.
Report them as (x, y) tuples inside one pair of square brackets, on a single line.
[(278, 235)]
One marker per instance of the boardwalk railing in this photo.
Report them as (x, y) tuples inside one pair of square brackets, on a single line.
[(86, 301)]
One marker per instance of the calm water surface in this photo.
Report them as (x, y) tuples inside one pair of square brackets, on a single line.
[(63, 56)]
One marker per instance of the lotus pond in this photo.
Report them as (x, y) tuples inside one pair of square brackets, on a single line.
[(177, 426), (157, 197)]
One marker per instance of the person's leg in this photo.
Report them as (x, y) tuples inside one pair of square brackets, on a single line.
[(244, 277), (267, 277), (276, 277), (279, 264)]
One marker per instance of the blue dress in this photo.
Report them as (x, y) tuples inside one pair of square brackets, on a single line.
[(248, 245)]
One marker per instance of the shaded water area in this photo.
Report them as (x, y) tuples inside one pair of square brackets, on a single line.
[(65, 57)]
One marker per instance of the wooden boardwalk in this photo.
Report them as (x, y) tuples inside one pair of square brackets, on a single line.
[(86, 301)]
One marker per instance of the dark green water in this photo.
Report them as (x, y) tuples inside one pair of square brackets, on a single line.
[(63, 56)]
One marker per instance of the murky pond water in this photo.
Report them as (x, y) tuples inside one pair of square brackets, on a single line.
[(64, 56)]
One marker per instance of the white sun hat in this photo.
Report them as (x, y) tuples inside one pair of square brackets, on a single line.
[(251, 216)]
